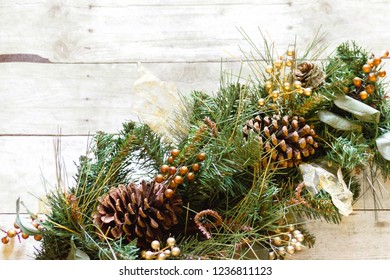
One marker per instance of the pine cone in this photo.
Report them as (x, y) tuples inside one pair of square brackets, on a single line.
[(287, 140), (138, 211), (309, 75)]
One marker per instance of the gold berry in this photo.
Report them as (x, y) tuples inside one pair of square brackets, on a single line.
[(386, 54), (175, 251), (167, 252), (11, 233), (261, 102), (16, 225), (155, 245), (183, 170), (357, 81), (201, 156), (370, 62), (307, 91), (377, 61), (300, 237), (175, 152), (38, 237), (191, 176), (289, 63), (370, 89), (298, 246), (346, 89), (164, 169), (268, 69), (290, 51), (274, 94), (159, 178), (277, 240), (278, 63), (149, 255), (382, 73), (35, 224), (171, 241), (281, 251), (297, 84), (286, 86), (195, 167), (363, 95), (290, 249), (268, 85), (171, 159), (161, 256), (172, 170), (178, 179), (169, 193), (172, 185), (372, 77), (366, 68), (5, 240), (25, 235)]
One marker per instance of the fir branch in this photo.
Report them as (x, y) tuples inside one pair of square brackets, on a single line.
[(310, 105)]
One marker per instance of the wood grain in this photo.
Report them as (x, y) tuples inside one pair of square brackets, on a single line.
[(85, 98), (172, 31), (358, 236), (28, 168)]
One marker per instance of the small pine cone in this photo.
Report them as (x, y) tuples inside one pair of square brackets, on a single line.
[(287, 140), (137, 211), (309, 75)]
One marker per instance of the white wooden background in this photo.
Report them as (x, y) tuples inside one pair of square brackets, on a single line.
[(80, 62)]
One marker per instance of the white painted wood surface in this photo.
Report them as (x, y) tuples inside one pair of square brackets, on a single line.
[(91, 50)]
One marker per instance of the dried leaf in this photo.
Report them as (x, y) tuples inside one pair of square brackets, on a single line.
[(76, 253), (317, 178), (361, 111), (383, 144), (25, 226), (338, 122), (153, 102)]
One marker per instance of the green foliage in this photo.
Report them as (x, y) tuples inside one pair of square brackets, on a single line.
[(135, 152), (256, 202), (350, 153)]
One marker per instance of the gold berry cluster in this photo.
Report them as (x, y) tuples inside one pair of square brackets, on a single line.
[(281, 83), (16, 231), (365, 86), (175, 174), (161, 253), (286, 242)]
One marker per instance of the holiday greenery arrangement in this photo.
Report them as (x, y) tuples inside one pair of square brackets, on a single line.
[(238, 173)]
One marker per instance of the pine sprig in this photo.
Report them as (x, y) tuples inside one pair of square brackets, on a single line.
[(311, 105)]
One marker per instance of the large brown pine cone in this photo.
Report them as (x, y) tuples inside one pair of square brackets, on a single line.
[(286, 141), (137, 211)]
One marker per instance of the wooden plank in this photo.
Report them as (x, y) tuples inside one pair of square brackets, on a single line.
[(84, 98), (81, 99), (26, 162), (359, 236), (108, 31), (16, 250)]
